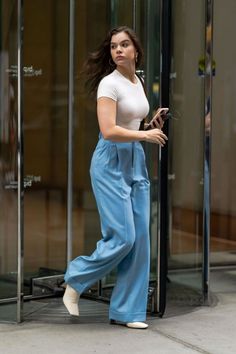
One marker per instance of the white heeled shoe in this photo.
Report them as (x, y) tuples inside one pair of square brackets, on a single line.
[(135, 325), (70, 300)]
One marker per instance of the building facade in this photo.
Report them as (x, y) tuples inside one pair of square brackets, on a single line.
[(48, 130)]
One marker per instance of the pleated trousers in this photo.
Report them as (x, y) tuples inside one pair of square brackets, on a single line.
[(122, 191)]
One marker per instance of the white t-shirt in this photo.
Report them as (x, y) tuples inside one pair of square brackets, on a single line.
[(132, 104)]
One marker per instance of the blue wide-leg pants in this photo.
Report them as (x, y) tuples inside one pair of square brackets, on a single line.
[(121, 188)]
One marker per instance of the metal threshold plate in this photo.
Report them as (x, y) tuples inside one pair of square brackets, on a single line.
[(52, 310)]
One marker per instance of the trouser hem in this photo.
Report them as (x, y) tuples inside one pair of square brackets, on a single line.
[(127, 317), (77, 286)]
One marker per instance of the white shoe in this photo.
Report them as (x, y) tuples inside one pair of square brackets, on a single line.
[(137, 325), (70, 300)]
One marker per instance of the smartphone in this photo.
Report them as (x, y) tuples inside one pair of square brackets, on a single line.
[(164, 114)]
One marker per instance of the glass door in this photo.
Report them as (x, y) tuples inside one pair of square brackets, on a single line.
[(186, 154), (11, 185)]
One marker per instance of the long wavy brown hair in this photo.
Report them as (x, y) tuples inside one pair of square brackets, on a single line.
[(100, 63)]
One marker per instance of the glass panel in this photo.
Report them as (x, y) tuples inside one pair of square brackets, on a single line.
[(223, 188), (186, 136), (122, 13), (148, 30), (45, 132), (8, 158)]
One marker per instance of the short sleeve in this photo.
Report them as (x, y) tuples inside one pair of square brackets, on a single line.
[(106, 88)]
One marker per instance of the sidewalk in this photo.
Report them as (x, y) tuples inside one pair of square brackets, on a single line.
[(204, 330)]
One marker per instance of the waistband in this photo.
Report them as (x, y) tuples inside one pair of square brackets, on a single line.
[(119, 143)]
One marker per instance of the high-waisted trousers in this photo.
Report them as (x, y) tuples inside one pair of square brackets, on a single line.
[(121, 188)]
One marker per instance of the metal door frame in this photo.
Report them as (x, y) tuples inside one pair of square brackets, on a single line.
[(20, 163), (69, 235), (163, 212)]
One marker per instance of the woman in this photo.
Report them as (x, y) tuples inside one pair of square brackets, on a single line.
[(120, 182)]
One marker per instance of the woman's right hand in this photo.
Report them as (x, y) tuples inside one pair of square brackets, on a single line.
[(155, 136)]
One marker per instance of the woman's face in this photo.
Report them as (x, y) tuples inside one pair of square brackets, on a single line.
[(123, 51)]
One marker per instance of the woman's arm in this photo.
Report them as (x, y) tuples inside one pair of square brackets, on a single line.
[(106, 111)]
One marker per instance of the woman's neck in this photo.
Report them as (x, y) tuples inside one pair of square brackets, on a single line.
[(129, 73)]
